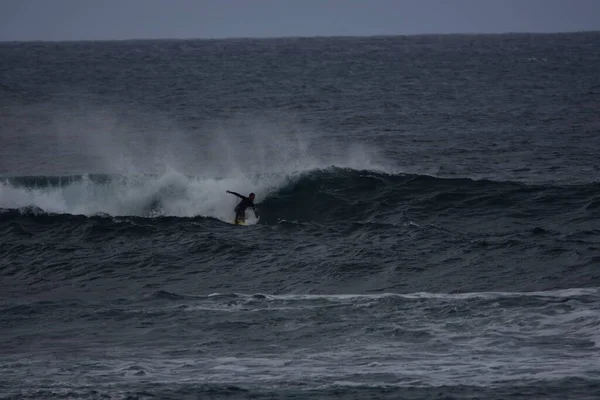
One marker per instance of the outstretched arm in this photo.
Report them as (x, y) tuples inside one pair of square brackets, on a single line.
[(237, 194)]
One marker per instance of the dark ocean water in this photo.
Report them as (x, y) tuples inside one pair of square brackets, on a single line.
[(429, 218)]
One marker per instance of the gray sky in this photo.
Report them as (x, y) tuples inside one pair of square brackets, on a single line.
[(140, 19)]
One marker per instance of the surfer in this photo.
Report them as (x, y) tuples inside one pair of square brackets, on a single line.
[(240, 209)]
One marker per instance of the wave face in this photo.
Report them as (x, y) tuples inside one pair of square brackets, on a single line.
[(428, 225)]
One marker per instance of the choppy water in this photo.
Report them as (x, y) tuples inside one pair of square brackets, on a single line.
[(428, 218)]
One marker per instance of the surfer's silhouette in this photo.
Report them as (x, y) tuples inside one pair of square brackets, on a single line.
[(240, 209)]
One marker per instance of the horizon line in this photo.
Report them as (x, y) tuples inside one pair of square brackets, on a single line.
[(132, 39)]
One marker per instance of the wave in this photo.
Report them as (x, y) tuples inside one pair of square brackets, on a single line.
[(344, 194), (319, 195)]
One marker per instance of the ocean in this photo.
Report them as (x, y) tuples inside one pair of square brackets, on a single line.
[(428, 218)]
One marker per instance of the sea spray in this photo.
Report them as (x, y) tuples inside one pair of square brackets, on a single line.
[(145, 174)]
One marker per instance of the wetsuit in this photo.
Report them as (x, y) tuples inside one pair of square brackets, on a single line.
[(240, 209)]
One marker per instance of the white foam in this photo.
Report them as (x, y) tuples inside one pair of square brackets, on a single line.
[(167, 173), (559, 293), (170, 194)]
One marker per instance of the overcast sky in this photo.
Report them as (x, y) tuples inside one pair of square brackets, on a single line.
[(144, 19)]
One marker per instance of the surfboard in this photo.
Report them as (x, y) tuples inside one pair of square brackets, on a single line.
[(246, 222)]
